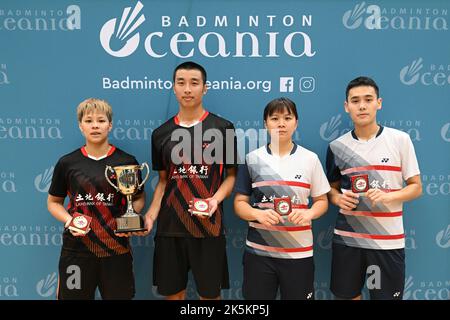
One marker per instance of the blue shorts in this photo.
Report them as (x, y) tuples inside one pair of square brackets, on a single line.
[(384, 269)]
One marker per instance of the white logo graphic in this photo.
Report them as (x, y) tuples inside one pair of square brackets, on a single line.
[(443, 238), (34, 19), (396, 18), (410, 74), (396, 294), (43, 180), (373, 277), (3, 75), (330, 129), (426, 290), (307, 84), (408, 288), (286, 84), (352, 19), (445, 132), (309, 295), (433, 75), (74, 278), (47, 287), (360, 184), (283, 207), (80, 222), (125, 32), (74, 18), (201, 205), (325, 238)]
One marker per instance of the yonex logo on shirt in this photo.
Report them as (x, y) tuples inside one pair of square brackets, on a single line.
[(384, 160)]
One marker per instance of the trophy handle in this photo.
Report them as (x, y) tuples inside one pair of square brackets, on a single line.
[(146, 177), (107, 178)]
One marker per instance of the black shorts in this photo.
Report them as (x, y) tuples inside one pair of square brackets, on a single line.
[(79, 276), (263, 276), (385, 271), (206, 257)]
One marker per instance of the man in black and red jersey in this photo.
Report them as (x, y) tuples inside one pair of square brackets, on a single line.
[(192, 152), (100, 258)]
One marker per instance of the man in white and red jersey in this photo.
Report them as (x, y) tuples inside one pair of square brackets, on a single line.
[(367, 168)]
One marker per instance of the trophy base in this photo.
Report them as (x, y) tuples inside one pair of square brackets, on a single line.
[(130, 224)]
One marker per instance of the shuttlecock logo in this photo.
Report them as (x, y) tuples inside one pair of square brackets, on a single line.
[(122, 35), (445, 132), (443, 238), (330, 129), (47, 287), (408, 288), (352, 19), (325, 238), (42, 181), (410, 74)]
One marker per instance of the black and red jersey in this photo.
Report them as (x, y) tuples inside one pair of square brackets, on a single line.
[(82, 179), (195, 159)]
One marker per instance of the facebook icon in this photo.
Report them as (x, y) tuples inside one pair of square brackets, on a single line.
[(286, 84)]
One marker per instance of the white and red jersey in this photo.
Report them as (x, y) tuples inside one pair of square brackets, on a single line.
[(388, 159), (264, 177)]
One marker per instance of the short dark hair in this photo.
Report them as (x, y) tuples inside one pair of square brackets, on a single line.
[(190, 65), (359, 82), (279, 105)]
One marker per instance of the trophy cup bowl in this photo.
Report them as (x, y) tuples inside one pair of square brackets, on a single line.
[(128, 184)]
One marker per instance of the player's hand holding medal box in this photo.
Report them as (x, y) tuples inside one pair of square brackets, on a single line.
[(200, 207), (282, 206), (80, 223)]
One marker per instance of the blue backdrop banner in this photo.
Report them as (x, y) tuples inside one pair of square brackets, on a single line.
[(54, 54)]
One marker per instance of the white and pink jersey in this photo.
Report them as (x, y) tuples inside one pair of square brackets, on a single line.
[(388, 159)]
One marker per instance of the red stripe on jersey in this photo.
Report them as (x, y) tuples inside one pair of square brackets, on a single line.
[(172, 200), (103, 235), (111, 151), (69, 204), (371, 168), (277, 249), (211, 226), (93, 247), (300, 206), (281, 183), (270, 205), (369, 236), (372, 214), (203, 117), (280, 228)]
